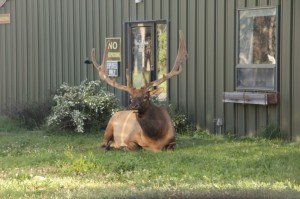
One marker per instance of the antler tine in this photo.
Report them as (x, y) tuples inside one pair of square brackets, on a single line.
[(177, 68), (144, 76), (102, 72), (128, 79)]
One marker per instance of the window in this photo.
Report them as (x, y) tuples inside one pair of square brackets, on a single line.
[(257, 50)]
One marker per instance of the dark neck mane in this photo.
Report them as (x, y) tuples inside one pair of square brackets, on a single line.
[(151, 121)]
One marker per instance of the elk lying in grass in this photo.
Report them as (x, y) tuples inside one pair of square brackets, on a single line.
[(144, 126)]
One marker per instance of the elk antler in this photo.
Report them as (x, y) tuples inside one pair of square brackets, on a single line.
[(177, 68), (102, 71)]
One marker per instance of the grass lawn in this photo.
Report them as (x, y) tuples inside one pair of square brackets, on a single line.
[(37, 164)]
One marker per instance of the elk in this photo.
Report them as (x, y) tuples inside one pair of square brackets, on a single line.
[(143, 126)]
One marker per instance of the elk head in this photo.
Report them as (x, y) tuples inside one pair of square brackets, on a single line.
[(139, 97)]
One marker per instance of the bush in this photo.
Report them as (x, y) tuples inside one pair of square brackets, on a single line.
[(82, 107), (30, 115), (271, 132), (180, 121)]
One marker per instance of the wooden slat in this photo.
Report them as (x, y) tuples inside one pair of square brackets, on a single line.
[(133, 11), (83, 39), (71, 42), (191, 71), (13, 55), (285, 70), (77, 45), (53, 68), (183, 89), (59, 41), (65, 41), (31, 39), (157, 9), (201, 69), (2, 68), (90, 37), (210, 64), (47, 63), (164, 9), (8, 58), (110, 27), (174, 95), (36, 52), (296, 72), (118, 33), (141, 11), (220, 57), (241, 3), (263, 3), (229, 70), (241, 128), (41, 50), (148, 10)]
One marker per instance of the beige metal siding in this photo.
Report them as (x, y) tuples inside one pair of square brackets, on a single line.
[(47, 42)]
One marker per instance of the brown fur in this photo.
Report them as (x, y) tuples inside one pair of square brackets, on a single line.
[(149, 127)]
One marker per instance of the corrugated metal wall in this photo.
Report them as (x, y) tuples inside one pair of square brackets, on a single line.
[(48, 40)]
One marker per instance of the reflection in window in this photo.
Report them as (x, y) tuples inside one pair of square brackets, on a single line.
[(257, 49), (162, 57), (141, 52), (257, 37)]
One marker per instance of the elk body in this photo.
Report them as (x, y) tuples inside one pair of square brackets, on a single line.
[(144, 126)]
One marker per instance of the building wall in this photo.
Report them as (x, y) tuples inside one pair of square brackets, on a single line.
[(48, 41)]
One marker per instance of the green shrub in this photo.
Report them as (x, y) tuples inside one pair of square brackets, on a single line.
[(82, 107), (271, 132), (180, 121), (9, 125), (30, 115)]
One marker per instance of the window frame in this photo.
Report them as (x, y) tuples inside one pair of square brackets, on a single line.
[(255, 66)]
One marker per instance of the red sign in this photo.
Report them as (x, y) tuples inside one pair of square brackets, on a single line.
[(4, 18)]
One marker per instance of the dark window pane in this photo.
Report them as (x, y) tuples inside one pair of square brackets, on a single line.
[(256, 78)]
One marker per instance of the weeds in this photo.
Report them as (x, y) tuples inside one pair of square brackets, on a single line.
[(271, 132)]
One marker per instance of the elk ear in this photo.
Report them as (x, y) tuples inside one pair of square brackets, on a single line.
[(156, 92)]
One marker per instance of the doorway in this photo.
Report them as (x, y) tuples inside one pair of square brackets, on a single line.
[(147, 50)]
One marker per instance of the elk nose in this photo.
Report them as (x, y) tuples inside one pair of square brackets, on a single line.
[(133, 105)]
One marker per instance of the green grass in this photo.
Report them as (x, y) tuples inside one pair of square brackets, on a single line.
[(37, 164)]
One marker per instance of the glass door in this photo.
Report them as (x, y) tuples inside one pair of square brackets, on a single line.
[(147, 47)]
